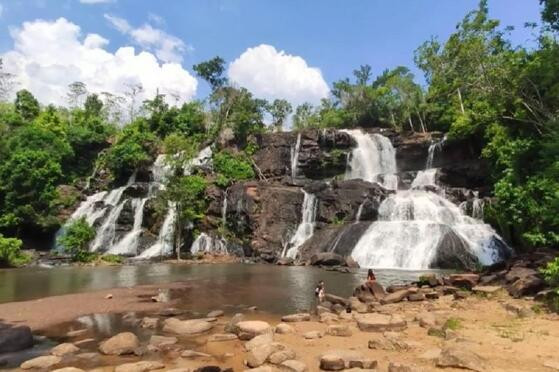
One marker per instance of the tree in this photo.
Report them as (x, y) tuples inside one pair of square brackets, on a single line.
[(305, 117), (76, 238), (280, 110), (212, 71), (7, 82), (75, 92), (93, 106), (27, 105), (550, 13), (187, 195)]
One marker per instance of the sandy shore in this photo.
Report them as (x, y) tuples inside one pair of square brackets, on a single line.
[(489, 327)]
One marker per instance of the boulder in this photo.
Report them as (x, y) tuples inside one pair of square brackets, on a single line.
[(416, 297), (161, 341), (380, 323), (398, 367), (64, 349), (388, 343), (332, 362), (259, 340), (15, 338), (467, 281), (281, 356), (249, 329), (142, 366), (186, 327), (327, 259), (121, 344), (426, 319), (452, 252), (527, 286), (460, 357), (231, 326), (258, 355), (394, 297), (283, 328), (342, 359), (301, 317), (294, 366), (336, 300), (312, 335), (215, 314), (328, 318), (42, 362)]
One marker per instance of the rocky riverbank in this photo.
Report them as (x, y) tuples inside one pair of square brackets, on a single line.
[(474, 327)]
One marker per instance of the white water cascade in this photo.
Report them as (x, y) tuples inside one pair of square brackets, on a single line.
[(412, 224), (373, 159), (295, 157), (435, 146), (224, 209), (128, 245), (206, 244), (305, 229), (164, 244)]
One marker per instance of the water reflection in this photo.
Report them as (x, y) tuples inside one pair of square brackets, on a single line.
[(271, 288)]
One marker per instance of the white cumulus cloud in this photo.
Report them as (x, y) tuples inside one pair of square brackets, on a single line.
[(49, 55), (167, 48), (269, 74)]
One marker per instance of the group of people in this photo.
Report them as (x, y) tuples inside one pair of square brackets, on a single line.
[(371, 286)]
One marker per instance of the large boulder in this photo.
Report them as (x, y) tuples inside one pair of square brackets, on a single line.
[(122, 343), (15, 338), (249, 329), (452, 252), (460, 357), (327, 259), (338, 239), (376, 322)]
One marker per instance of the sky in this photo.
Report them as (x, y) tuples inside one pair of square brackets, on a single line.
[(290, 49)]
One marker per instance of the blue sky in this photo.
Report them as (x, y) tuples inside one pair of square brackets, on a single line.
[(331, 35)]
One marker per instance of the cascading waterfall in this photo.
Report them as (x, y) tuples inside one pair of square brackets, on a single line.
[(413, 223), (128, 245), (206, 244), (360, 211), (435, 146), (295, 157), (372, 160), (164, 244), (224, 209), (305, 229)]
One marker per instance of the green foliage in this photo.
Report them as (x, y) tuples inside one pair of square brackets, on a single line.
[(10, 252), (280, 110), (135, 147), (551, 272), (212, 71), (453, 324), (26, 105), (75, 240), (111, 259), (231, 168), (550, 13)]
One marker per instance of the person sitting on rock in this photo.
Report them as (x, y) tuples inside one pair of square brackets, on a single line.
[(374, 287)]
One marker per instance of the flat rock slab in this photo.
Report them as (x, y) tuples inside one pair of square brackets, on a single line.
[(302, 317), (159, 341), (487, 289), (266, 338), (338, 360), (121, 344), (186, 327), (339, 330), (459, 357), (221, 337), (42, 362), (215, 314), (294, 366), (380, 322), (249, 329)]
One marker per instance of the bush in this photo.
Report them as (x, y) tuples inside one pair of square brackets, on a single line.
[(10, 252), (551, 272), (231, 168), (76, 239), (111, 258)]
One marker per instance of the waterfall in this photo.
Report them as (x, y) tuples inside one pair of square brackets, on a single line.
[(305, 229), (373, 159), (413, 224), (203, 158), (295, 157), (431, 152), (360, 211), (224, 209), (128, 245), (164, 244), (206, 244)]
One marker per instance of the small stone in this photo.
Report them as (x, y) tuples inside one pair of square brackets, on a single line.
[(215, 314), (294, 366), (553, 364), (283, 328), (142, 366), (467, 281), (64, 349), (302, 317), (415, 297), (312, 335), (109, 296), (426, 320), (221, 337), (332, 362), (122, 343), (42, 362), (340, 330)]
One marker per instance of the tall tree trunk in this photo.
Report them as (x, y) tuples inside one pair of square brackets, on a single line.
[(411, 123), (461, 102), (421, 122)]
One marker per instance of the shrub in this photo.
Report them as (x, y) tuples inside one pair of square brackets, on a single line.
[(231, 167), (75, 240), (551, 272), (111, 258), (10, 252)]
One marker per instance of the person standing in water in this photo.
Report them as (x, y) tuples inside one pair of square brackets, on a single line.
[(318, 296)]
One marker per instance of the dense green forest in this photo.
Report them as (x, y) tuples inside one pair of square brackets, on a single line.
[(479, 87)]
